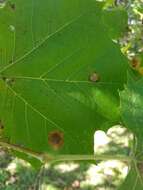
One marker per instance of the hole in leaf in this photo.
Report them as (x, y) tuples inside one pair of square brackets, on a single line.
[(117, 139), (55, 139), (94, 77)]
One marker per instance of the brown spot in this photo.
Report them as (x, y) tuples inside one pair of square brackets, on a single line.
[(94, 77), (56, 139), (135, 63)]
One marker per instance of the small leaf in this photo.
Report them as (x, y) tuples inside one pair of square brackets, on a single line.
[(134, 180), (132, 112), (131, 108)]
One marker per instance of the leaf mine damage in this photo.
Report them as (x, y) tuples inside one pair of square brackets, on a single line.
[(56, 139)]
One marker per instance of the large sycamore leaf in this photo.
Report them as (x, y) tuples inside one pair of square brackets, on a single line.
[(60, 75), (132, 116)]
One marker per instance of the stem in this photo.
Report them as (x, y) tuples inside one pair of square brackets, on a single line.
[(44, 157), (59, 158), (22, 150)]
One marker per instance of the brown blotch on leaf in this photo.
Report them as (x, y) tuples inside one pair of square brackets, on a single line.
[(135, 63), (56, 139), (94, 77)]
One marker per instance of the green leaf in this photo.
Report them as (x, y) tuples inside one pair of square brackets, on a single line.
[(60, 75), (131, 107), (134, 178), (132, 112)]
